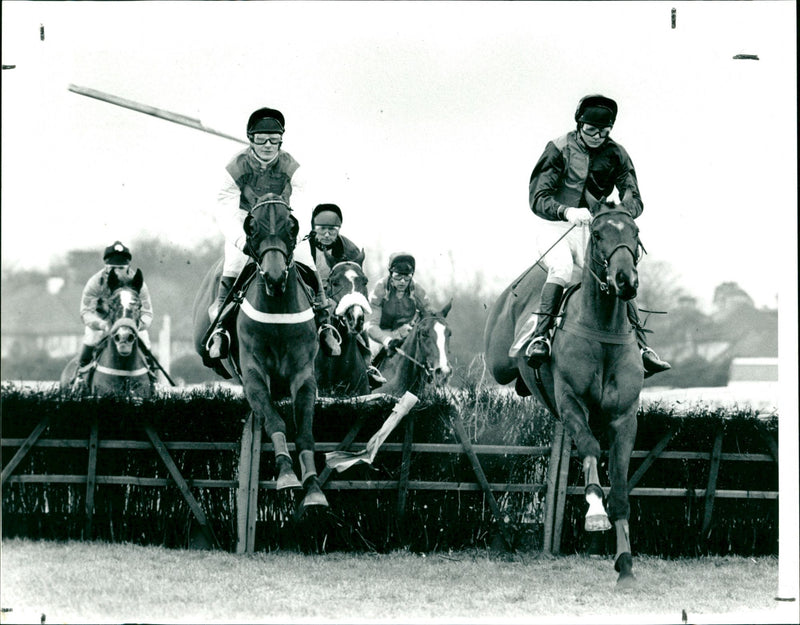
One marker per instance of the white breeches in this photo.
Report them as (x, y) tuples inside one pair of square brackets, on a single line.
[(235, 260), (564, 263), (92, 337)]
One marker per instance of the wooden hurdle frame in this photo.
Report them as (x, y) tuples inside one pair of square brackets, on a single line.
[(556, 487)]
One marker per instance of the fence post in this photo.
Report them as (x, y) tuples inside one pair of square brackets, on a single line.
[(243, 488), (563, 476), (552, 480), (405, 470), (91, 478), (711, 491)]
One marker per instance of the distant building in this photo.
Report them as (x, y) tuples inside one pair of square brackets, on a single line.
[(753, 370)]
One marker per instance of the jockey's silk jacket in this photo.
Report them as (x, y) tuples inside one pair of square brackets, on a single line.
[(247, 179), (390, 312), (342, 249), (569, 174), (94, 302)]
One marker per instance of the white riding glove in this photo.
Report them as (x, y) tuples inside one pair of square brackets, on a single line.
[(578, 216)]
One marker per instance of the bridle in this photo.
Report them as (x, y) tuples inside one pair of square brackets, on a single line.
[(604, 262), (275, 242), (427, 369)]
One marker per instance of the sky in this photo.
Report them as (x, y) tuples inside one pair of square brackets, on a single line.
[(421, 120)]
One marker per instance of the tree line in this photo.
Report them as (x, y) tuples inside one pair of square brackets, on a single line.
[(700, 345)]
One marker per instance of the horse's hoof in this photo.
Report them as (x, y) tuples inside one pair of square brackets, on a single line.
[(624, 566), (597, 523), (286, 480), (315, 497)]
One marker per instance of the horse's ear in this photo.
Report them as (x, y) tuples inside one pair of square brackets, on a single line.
[(248, 225), (447, 308), (294, 229), (112, 281), (360, 258), (138, 280)]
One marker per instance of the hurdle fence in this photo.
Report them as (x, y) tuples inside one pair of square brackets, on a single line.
[(561, 481)]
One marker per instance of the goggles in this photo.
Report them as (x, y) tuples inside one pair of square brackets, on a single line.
[(260, 138), (593, 131), (404, 277)]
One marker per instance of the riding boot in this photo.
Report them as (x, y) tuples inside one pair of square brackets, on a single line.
[(538, 350), (329, 337), (219, 342), (652, 362), (84, 362), (374, 375)]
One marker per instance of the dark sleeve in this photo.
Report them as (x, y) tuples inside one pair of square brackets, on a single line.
[(628, 186), (545, 180)]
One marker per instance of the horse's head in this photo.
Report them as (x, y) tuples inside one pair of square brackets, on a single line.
[(614, 248), (271, 238), (125, 302), (433, 344), (348, 288)]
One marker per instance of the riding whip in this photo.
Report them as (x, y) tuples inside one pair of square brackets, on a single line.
[(152, 357), (525, 273)]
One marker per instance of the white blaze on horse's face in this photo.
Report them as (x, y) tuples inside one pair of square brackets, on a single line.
[(127, 300), (616, 224), (442, 367)]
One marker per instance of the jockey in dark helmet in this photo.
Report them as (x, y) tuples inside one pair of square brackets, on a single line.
[(575, 173), (94, 301), (262, 168), (328, 247), (395, 301)]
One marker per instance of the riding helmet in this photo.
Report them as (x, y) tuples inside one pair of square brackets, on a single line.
[(401, 262), (266, 120), (117, 254), (333, 218), (596, 110)]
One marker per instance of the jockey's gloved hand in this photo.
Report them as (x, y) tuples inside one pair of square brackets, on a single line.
[(391, 345), (578, 216)]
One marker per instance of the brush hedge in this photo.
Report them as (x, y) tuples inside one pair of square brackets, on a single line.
[(370, 519)]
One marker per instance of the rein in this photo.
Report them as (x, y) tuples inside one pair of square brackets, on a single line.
[(423, 366)]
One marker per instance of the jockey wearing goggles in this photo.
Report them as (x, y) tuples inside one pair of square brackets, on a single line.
[(395, 301), (94, 312), (258, 170), (328, 247), (575, 173)]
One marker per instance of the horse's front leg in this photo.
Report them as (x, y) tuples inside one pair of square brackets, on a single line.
[(304, 396), (257, 391), (596, 517), (575, 415), (623, 435)]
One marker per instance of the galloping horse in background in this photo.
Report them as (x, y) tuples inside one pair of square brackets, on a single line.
[(346, 374), (274, 342), (423, 357), (120, 367), (595, 374)]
